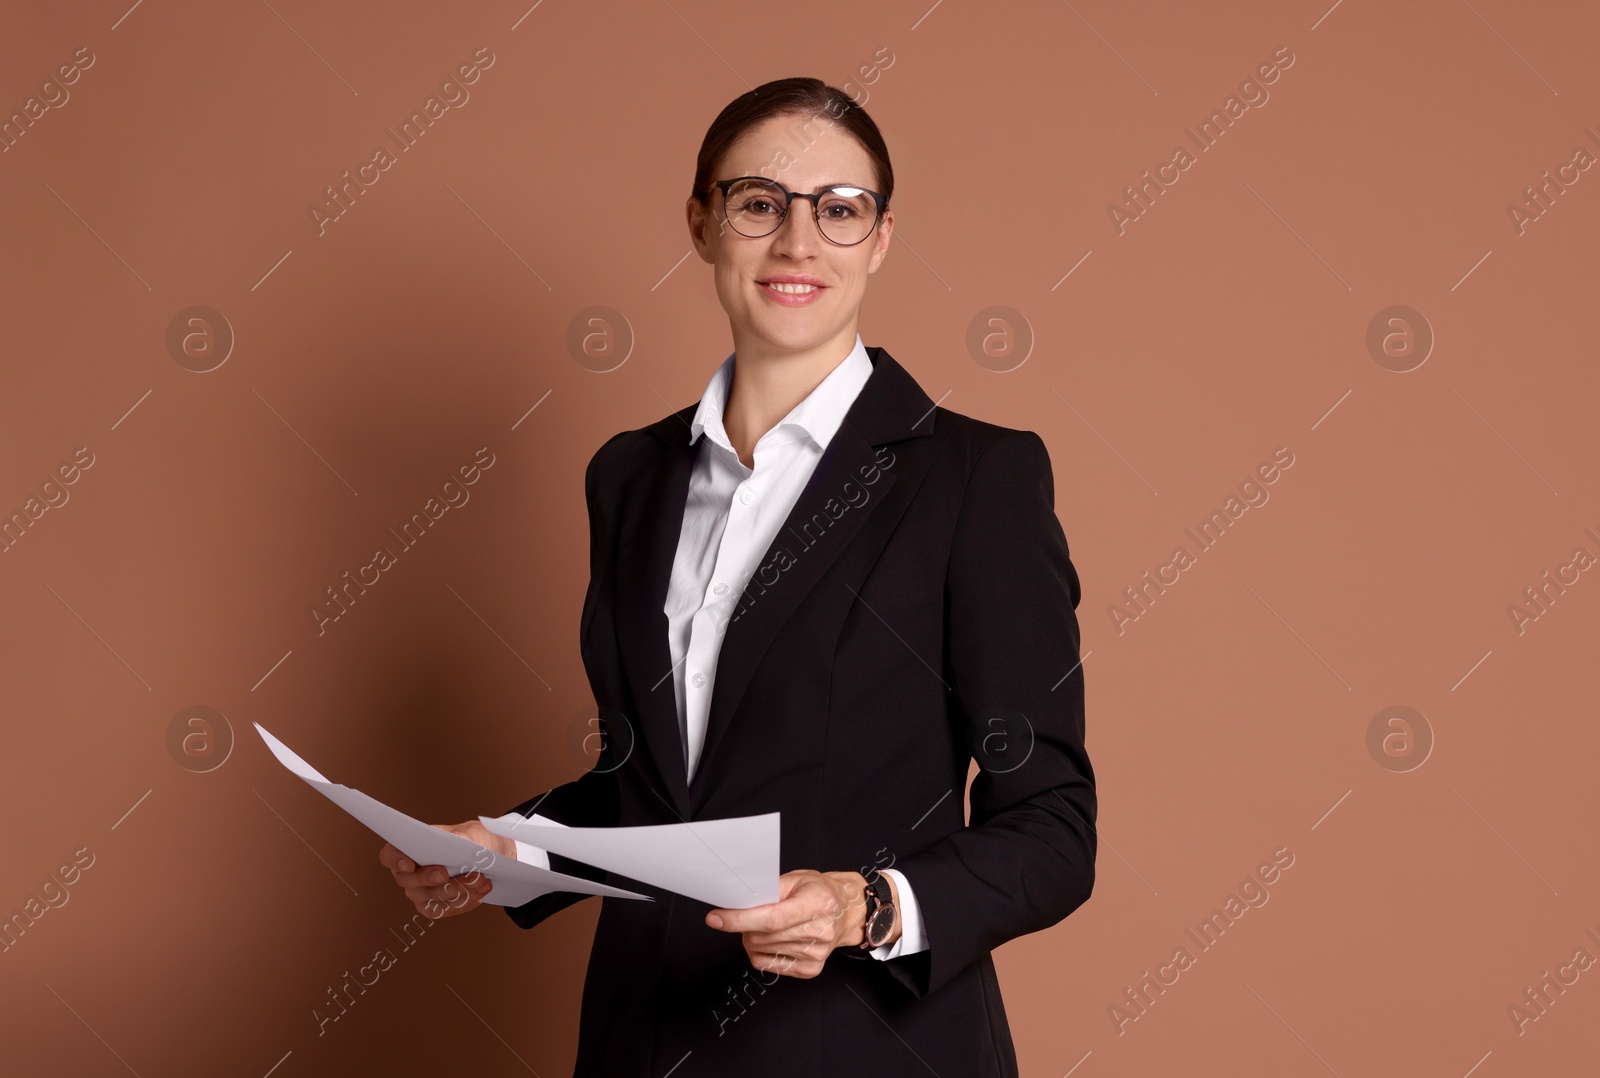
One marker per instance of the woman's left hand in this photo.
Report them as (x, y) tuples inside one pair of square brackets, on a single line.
[(815, 912)]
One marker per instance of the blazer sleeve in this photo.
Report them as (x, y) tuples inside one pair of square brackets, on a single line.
[(592, 799), (1026, 859), (589, 801)]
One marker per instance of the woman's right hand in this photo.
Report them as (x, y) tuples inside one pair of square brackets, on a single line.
[(431, 889)]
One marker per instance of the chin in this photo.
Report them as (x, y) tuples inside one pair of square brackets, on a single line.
[(793, 334)]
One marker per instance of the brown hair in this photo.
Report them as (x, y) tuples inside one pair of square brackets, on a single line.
[(802, 97)]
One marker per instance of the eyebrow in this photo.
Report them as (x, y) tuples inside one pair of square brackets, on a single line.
[(819, 188)]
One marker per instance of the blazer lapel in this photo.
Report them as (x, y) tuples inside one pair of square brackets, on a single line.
[(644, 569), (890, 407)]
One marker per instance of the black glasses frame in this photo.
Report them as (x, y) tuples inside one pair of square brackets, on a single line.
[(816, 206)]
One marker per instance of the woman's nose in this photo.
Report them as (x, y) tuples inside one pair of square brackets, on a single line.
[(799, 229)]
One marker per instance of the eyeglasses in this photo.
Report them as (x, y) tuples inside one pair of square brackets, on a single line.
[(845, 214)]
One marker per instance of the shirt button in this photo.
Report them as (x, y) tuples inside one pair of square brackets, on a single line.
[(747, 496), (720, 589), (698, 680)]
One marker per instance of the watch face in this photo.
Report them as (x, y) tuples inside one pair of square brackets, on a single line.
[(880, 927)]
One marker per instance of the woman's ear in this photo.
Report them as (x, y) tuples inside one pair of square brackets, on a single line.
[(702, 225), (880, 241)]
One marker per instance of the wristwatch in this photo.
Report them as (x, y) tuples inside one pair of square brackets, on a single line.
[(880, 912)]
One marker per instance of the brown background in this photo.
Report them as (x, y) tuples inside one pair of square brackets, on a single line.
[(370, 361)]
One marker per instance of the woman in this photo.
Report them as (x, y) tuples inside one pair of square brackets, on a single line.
[(817, 593)]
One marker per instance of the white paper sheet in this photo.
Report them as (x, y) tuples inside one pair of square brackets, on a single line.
[(731, 863), (531, 855), (514, 882)]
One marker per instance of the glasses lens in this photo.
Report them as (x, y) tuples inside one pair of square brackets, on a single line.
[(755, 207), (846, 214)]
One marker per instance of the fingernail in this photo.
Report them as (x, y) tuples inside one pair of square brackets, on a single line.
[(438, 877), (406, 866), (713, 920)]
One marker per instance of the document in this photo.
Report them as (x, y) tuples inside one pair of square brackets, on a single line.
[(514, 882), (730, 863)]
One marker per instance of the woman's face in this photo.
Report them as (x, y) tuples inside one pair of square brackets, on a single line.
[(743, 266)]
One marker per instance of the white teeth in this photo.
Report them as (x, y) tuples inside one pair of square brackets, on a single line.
[(793, 289)]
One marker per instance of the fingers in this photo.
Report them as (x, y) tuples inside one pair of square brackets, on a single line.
[(788, 931), (794, 936), (813, 909), (389, 857), (431, 888), (456, 895), (408, 875), (773, 917), (793, 940), (756, 919), (792, 961)]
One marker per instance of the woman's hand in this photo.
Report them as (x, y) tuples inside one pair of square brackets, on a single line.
[(815, 912), (431, 889)]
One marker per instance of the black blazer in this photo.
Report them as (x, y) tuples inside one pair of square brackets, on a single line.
[(914, 613)]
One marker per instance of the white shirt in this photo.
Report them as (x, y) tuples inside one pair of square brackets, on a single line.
[(731, 516)]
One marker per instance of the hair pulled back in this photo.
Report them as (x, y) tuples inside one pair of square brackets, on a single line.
[(806, 99)]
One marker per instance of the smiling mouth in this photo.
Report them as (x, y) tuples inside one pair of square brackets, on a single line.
[(792, 293)]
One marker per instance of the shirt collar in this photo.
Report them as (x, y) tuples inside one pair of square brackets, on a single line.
[(818, 416)]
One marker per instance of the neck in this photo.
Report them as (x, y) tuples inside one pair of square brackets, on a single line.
[(768, 382)]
